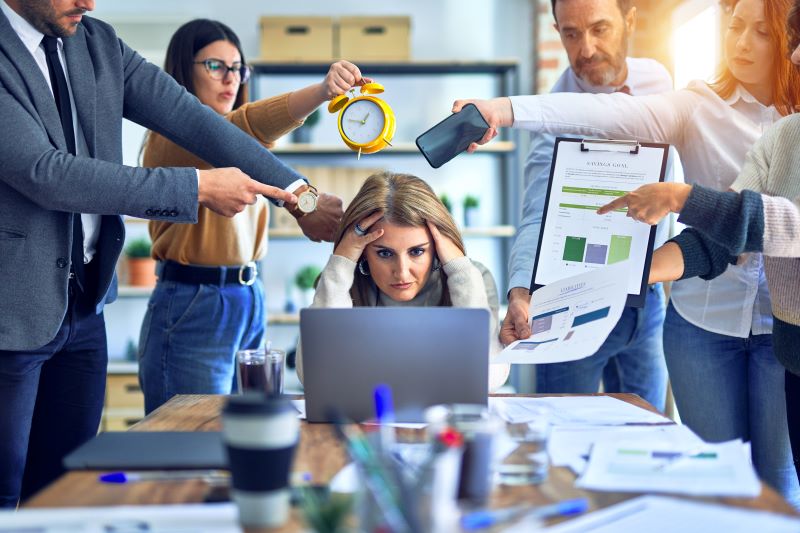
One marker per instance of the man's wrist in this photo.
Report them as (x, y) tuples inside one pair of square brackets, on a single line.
[(519, 293), (681, 194)]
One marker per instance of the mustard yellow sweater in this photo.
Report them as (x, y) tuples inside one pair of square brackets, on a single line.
[(216, 240)]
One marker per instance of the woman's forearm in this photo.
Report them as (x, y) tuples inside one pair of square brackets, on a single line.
[(304, 101), (667, 264)]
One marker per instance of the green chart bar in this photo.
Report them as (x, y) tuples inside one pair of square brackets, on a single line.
[(620, 248), (574, 248)]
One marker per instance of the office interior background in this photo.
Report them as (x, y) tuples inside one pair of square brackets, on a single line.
[(456, 49)]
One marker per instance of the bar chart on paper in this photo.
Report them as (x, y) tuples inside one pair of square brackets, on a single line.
[(579, 250)]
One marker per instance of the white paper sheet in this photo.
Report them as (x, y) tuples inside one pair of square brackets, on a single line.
[(706, 470), (576, 410), (659, 514), (571, 318), (216, 518), (571, 446)]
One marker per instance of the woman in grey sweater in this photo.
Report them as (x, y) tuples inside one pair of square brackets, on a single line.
[(760, 214), (398, 246)]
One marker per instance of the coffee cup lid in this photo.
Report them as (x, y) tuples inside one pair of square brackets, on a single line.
[(251, 403)]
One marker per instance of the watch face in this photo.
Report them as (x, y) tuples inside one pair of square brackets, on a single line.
[(363, 121), (307, 202)]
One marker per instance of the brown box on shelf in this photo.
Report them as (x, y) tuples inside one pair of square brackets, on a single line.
[(123, 391), (301, 39), (375, 38)]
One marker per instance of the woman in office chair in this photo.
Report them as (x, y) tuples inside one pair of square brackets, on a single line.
[(398, 246)]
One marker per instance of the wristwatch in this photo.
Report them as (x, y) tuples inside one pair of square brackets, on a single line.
[(306, 202)]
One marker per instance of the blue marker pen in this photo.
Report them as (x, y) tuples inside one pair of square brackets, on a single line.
[(384, 412), (490, 517)]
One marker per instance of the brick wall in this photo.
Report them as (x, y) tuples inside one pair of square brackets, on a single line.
[(651, 39)]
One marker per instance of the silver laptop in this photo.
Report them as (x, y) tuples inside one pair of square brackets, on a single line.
[(427, 355)]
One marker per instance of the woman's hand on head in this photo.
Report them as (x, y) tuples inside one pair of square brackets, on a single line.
[(353, 244), (446, 249), (341, 77)]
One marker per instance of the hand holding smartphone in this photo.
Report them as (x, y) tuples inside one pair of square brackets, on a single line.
[(452, 136)]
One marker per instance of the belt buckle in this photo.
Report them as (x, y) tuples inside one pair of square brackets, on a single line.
[(251, 265)]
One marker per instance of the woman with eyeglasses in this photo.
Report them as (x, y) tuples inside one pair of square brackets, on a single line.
[(208, 301)]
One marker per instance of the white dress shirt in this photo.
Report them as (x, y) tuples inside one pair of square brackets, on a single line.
[(712, 136), (32, 39), (645, 76)]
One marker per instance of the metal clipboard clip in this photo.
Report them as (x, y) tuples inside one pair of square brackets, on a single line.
[(592, 145)]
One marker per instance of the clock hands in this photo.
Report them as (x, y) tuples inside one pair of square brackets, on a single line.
[(362, 121)]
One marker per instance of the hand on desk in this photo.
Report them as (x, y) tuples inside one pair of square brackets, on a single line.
[(515, 324)]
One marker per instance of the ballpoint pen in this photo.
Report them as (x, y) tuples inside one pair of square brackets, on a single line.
[(384, 412), (161, 475), (490, 517)]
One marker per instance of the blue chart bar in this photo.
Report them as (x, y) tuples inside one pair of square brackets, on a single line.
[(590, 317)]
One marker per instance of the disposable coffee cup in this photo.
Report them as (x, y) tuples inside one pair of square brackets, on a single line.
[(260, 436)]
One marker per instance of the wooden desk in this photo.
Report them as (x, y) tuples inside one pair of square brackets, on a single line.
[(320, 454)]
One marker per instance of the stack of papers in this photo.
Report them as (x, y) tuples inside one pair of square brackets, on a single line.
[(571, 446), (576, 411), (638, 466), (658, 514)]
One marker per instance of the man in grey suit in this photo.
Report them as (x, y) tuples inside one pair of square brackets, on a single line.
[(66, 82)]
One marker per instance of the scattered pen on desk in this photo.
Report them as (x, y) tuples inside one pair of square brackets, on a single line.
[(177, 475), (490, 517)]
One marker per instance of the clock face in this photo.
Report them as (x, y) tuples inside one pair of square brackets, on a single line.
[(363, 121)]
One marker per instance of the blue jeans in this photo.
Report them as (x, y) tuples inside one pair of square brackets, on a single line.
[(728, 388), (630, 360), (190, 335), (51, 399)]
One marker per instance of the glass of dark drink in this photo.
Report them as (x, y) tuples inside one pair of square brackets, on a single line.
[(260, 370)]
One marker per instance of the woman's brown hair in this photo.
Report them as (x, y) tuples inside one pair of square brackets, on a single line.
[(786, 78), (405, 200)]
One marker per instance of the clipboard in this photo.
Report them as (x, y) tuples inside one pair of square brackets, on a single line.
[(585, 174)]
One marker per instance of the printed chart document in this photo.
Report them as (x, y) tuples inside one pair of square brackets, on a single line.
[(705, 470), (660, 514), (576, 411), (570, 446), (571, 318), (586, 175)]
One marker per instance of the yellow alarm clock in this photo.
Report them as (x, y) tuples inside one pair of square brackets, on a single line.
[(366, 123)]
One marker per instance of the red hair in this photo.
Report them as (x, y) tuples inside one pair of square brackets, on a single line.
[(786, 77)]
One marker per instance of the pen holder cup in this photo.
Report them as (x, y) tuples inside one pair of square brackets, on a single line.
[(260, 436), (479, 429)]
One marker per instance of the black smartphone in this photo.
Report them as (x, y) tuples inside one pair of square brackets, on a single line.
[(452, 136)]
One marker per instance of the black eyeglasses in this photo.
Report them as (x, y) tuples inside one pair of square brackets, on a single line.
[(217, 69)]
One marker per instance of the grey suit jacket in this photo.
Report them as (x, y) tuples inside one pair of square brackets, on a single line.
[(41, 184)]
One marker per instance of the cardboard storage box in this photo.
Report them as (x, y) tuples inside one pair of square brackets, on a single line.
[(375, 38), (297, 39)]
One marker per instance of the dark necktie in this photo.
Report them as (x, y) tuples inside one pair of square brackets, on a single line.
[(61, 92)]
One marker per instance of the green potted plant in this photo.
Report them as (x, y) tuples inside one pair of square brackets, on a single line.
[(302, 134), (447, 203), (141, 267), (305, 279), (471, 204)]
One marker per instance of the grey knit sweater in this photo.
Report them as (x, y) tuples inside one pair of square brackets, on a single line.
[(469, 282), (762, 215)]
